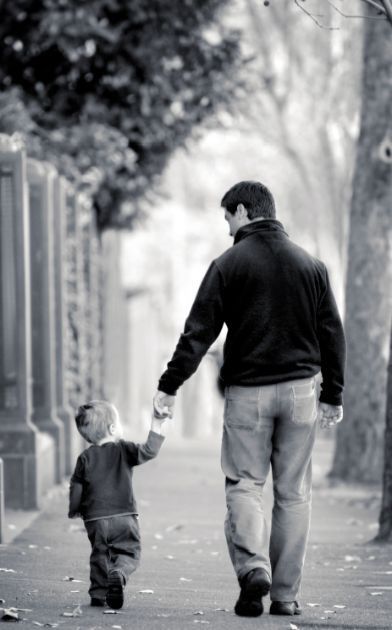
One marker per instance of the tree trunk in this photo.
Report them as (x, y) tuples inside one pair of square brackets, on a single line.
[(359, 447), (385, 520)]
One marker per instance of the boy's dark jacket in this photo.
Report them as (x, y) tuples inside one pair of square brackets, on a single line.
[(101, 485), (280, 312)]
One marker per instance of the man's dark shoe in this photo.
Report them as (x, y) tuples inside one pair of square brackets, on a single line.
[(97, 602), (115, 596), (254, 585), (285, 608)]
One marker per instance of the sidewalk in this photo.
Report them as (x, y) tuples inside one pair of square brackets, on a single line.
[(347, 582)]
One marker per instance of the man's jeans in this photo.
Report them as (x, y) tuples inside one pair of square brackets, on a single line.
[(115, 545), (269, 424)]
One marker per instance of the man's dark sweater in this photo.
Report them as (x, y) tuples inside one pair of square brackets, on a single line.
[(282, 319), (101, 485)]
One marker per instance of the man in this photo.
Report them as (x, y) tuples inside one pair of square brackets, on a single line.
[(283, 328)]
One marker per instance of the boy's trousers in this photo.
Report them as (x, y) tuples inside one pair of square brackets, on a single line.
[(269, 425), (115, 545)]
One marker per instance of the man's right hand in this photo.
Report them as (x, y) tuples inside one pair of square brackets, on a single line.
[(329, 415), (163, 405)]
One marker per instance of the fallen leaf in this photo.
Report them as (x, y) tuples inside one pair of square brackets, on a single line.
[(292, 626), (68, 578), (110, 611), (198, 612), (183, 579), (9, 614), (214, 553), (169, 557), (117, 627), (74, 591), (352, 559), (146, 591), (312, 605), (33, 546), (329, 612), (200, 621), (7, 570), (372, 558), (376, 593), (339, 606), (174, 528), (221, 610), (77, 612), (47, 548), (158, 536)]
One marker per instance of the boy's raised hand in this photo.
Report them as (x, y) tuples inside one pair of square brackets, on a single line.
[(163, 405)]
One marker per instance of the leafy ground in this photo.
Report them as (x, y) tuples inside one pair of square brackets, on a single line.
[(185, 579)]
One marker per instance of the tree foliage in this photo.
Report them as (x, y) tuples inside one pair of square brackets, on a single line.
[(111, 87)]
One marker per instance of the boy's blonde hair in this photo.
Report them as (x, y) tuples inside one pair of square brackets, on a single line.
[(94, 419)]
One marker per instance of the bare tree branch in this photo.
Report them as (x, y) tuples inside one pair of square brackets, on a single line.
[(387, 4), (375, 4), (385, 7), (314, 18), (364, 17)]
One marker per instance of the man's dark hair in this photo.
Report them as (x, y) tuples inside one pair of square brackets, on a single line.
[(256, 197)]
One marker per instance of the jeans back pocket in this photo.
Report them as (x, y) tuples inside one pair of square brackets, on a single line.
[(304, 407), (241, 413)]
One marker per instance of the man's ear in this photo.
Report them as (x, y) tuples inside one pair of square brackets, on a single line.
[(112, 429), (242, 211)]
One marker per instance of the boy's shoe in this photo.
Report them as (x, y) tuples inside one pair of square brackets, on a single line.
[(254, 585), (115, 596), (97, 602), (285, 608)]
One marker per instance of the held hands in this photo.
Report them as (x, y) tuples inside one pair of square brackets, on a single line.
[(163, 405), (329, 415)]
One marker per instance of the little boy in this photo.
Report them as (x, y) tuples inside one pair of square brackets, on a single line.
[(101, 493)]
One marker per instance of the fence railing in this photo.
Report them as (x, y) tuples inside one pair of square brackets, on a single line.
[(53, 285)]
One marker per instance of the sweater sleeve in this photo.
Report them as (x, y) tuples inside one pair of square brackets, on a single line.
[(140, 453), (76, 488), (202, 327), (332, 347)]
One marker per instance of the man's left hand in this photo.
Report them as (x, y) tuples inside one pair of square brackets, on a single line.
[(329, 415), (163, 405)]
